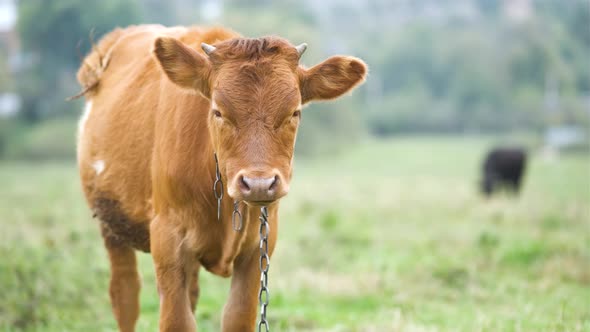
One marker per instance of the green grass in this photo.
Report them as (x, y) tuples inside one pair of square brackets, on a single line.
[(390, 236)]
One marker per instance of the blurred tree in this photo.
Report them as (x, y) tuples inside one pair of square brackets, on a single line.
[(51, 33), (5, 77), (160, 12), (489, 7), (488, 75), (574, 15)]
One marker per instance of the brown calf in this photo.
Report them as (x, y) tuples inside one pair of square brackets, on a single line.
[(159, 105)]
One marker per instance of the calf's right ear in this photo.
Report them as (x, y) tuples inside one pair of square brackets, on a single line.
[(184, 66)]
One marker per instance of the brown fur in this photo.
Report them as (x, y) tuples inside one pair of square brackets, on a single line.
[(153, 125)]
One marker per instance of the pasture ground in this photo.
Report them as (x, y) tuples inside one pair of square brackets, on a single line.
[(389, 236)]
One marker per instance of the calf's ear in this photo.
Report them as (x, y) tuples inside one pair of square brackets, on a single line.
[(183, 65), (331, 78)]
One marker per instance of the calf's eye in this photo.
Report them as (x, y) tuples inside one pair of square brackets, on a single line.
[(217, 114), (296, 114)]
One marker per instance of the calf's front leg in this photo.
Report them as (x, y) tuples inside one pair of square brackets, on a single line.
[(239, 313), (173, 273)]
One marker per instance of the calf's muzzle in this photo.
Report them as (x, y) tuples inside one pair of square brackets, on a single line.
[(257, 188)]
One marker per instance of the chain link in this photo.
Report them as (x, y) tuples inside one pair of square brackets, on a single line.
[(236, 217), (218, 187), (264, 294)]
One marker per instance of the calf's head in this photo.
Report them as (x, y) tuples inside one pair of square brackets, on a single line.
[(257, 89)]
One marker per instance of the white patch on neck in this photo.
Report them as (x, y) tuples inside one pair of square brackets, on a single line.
[(98, 166), (84, 118)]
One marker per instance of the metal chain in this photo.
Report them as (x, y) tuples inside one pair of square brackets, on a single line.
[(264, 294), (218, 187), (236, 217)]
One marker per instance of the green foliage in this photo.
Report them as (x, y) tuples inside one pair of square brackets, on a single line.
[(483, 75), (3, 136), (53, 29), (329, 128), (387, 236), (5, 77)]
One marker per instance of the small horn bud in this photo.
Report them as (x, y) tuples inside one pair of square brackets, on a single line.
[(208, 48), (301, 49)]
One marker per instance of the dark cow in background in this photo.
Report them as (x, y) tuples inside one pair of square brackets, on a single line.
[(503, 167)]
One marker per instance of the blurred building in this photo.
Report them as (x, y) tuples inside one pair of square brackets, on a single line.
[(518, 10)]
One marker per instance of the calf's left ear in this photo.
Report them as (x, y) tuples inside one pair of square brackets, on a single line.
[(331, 78)]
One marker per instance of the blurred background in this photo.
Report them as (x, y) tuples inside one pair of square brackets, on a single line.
[(385, 228)]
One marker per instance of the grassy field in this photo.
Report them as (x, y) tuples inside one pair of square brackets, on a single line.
[(390, 236)]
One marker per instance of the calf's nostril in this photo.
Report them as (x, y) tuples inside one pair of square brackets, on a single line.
[(244, 186), (274, 183)]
